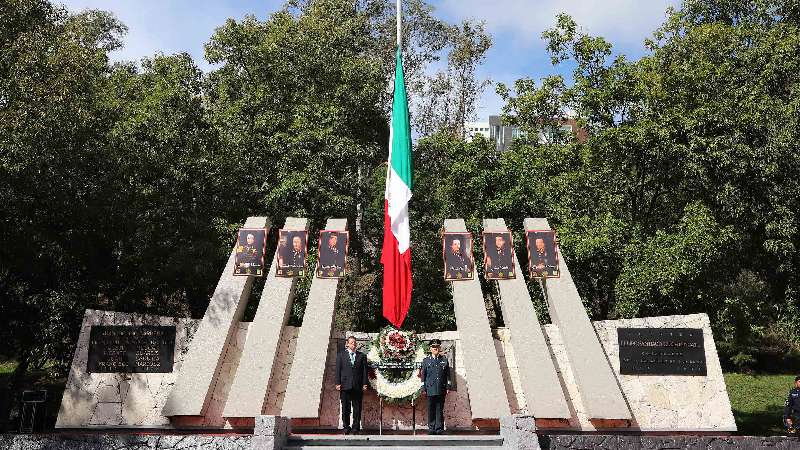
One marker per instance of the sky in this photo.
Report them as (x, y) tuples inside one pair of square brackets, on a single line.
[(171, 26)]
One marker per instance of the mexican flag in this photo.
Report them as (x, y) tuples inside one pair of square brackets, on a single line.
[(396, 254)]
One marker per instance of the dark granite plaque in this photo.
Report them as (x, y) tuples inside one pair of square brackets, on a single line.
[(131, 349), (661, 351)]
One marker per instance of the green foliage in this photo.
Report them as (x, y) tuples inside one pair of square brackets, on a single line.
[(121, 186), (683, 198)]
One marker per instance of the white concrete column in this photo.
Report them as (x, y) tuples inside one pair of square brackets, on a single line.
[(195, 382), (598, 387), (537, 371), (249, 389), (487, 395), (304, 391)]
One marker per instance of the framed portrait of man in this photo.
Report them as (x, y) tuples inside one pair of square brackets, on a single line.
[(498, 254), (292, 250), (457, 255), (542, 253), (332, 261), (250, 246)]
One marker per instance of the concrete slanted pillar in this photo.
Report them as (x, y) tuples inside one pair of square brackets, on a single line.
[(249, 388), (598, 387), (304, 391), (537, 371), (487, 395), (195, 382)]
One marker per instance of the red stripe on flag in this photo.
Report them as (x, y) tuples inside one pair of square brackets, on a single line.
[(396, 275)]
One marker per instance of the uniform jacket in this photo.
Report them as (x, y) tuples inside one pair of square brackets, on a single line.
[(351, 376), (294, 259), (327, 258), (460, 262), (792, 406), (434, 374)]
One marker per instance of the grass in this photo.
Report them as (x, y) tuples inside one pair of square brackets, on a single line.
[(6, 367), (757, 402)]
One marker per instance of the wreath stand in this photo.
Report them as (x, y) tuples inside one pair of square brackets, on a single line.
[(413, 416)]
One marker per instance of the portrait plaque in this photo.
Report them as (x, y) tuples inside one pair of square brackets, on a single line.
[(498, 251), (250, 246), (542, 253), (332, 259), (661, 351), (457, 255), (131, 349), (292, 253)]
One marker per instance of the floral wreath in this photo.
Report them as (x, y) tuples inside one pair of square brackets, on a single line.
[(394, 357)]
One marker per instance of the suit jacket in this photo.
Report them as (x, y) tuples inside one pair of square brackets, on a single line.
[(351, 376), (435, 373)]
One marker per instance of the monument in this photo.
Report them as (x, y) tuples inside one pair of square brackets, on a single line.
[(643, 375)]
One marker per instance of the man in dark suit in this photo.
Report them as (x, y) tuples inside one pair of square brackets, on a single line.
[(351, 382), (434, 373)]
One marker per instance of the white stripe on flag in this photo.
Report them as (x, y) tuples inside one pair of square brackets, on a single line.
[(398, 196)]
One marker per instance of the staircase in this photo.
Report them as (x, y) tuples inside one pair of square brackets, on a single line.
[(402, 442)]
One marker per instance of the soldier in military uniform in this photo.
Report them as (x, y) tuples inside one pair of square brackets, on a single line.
[(296, 257), (247, 257), (331, 258), (791, 409), (434, 373), (293, 257), (498, 258), (543, 263), (459, 264)]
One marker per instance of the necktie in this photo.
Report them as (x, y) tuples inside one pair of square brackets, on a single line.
[(352, 358)]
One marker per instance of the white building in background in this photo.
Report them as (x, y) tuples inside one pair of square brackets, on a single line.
[(475, 128), (503, 135)]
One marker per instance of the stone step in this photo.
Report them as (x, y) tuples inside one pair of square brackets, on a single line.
[(399, 447), (441, 442)]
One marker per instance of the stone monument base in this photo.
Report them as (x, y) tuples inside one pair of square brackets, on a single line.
[(659, 404)]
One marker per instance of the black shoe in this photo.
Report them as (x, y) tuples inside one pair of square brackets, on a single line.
[(347, 431), (356, 431)]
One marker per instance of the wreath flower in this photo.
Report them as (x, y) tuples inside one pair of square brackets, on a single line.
[(395, 357)]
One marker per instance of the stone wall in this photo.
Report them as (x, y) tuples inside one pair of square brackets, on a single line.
[(124, 442), (657, 403), (244, 442), (626, 442), (135, 400)]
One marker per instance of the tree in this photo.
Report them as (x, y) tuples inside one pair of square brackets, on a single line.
[(682, 198), (449, 97), (52, 70)]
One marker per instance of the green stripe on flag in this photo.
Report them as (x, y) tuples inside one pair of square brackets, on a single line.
[(401, 130)]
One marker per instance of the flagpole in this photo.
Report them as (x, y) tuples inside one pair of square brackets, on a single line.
[(399, 30)]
